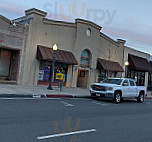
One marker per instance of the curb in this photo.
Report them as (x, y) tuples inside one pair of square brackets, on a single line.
[(66, 96), (59, 96), (148, 98), (50, 96), (42, 96), (86, 97), (22, 96)]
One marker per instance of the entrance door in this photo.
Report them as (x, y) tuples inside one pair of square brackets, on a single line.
[(5, 57), (82, 78)]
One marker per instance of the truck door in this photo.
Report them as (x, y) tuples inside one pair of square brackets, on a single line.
[(125, 88), (133, 88)]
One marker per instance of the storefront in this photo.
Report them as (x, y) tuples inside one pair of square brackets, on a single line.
[(83, 71), (150, 76), (45, 69), (9, 60), (137, 69), (63, 60), (108, 68)]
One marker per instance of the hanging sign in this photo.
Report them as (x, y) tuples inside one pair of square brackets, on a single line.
[(59, 76)]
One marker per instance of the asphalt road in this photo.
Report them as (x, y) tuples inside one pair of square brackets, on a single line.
[(74, 120)]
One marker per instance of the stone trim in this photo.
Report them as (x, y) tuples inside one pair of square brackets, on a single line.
[(88, 23), (147, 55), (59, 23), (35, 11), (109, 39), (4, 18)]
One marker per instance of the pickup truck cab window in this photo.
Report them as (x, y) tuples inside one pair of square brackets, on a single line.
[(112, 81), (132, 83), (125, 83)]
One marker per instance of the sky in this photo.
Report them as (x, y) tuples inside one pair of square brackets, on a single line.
[(128, 20)]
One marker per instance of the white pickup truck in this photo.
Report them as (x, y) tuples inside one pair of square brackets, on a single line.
[(117, 89)]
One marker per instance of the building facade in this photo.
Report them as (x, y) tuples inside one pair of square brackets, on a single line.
[(85, 54), (150, 75), (139, 65), (12, 50)]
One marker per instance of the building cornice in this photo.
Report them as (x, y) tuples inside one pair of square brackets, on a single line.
[(109, 39), (5, 19), (59, 23), (35, 11), (88, 23), (130, 48)]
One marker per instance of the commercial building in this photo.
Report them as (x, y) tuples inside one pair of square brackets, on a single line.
[(85, 54), (12, 50), (139, 65), (91, 52), (150, 77)]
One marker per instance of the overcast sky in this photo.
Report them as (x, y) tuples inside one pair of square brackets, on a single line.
[(129, 20)]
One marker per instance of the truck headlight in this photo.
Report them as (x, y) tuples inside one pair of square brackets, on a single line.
[(108, 88)]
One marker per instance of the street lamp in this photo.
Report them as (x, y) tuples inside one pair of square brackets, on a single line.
[(126, 68), (53, 63)]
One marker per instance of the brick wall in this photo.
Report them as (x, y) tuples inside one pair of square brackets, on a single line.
[(14, 66), (13, 38)]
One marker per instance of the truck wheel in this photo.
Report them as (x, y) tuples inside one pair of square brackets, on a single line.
[(117, 97), (140, 98)]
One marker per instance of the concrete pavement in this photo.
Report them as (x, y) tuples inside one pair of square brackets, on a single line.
[(23, 120), (42, 91)]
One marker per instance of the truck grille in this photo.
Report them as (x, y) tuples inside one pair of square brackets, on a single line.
[(98, 88)]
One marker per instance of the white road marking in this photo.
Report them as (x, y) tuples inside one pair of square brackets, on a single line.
[(101, 104), (67, 104), (66, 134), (36, 96)]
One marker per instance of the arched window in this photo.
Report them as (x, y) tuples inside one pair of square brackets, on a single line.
[(85, 59)]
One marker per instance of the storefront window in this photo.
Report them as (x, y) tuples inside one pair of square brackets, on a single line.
[(85, 59), (150, 81), (132, 74), (139, 75), (46, 67), (102, 74)]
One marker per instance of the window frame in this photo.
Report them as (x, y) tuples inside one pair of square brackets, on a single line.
[(132, 81)]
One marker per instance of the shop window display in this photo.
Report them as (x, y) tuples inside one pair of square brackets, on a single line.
[(102, 74), (46, 67), (138, 75)]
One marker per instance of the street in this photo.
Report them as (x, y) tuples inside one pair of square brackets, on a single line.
[(74, 120)]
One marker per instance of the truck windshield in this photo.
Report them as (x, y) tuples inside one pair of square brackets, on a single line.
[(112, 81)]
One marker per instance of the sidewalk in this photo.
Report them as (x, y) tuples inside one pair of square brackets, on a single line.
[(149, 95), (41, 91)]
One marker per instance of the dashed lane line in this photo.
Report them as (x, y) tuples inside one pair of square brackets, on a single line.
[(101, 104), (67, 104)]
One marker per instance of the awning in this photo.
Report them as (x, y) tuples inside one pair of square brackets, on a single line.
[(138, 63), (61, 56), (109, 65)]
